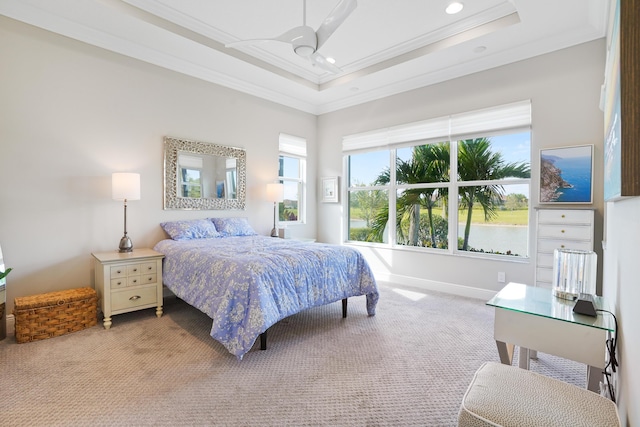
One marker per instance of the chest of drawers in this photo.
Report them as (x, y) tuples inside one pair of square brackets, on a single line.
[(128, 281), (560, 229)]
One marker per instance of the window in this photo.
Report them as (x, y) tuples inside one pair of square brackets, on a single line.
[(459, 184), (190, 168), (292, 174)]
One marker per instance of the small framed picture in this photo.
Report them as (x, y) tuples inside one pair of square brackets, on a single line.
[(330, 189), (220, 186), (566, 174)]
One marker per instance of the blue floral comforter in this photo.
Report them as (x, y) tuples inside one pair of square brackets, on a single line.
[(248, 283)]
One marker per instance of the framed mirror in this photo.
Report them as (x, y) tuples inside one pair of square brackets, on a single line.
[(202, 175)]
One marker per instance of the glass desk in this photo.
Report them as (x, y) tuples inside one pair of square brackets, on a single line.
[(533, 318)]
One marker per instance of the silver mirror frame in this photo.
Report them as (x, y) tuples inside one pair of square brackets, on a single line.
[(171, 200)]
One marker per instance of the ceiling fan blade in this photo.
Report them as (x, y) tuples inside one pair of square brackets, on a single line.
[(335, 19), (320, 61), (286, 37)]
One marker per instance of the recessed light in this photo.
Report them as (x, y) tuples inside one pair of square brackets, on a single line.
[(454, 7), (330, 60), (479, 49)]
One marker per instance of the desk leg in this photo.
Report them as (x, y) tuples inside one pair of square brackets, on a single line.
[(505, 351), (594, 376), (523, 358)]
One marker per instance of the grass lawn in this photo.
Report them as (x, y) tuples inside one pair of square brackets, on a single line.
[(519, 217)]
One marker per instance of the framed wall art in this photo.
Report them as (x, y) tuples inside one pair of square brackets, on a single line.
[(566, 174), (330, 189)]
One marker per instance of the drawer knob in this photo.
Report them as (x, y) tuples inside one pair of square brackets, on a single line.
[(135, 280), (150, 278), (135, 269), (119, 271), (562, 231), (562, 246), (562, 215), (135, 297), (119, 283), (149, 268)]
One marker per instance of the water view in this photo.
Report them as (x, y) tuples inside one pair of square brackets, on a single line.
[(499, 238)]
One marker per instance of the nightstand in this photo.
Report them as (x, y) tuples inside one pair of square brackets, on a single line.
[(128, 281)]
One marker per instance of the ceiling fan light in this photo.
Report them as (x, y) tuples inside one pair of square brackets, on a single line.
[(454, 7), (303, 50)]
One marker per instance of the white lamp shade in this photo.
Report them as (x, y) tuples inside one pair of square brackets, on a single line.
[(275, 192), (125, 186)]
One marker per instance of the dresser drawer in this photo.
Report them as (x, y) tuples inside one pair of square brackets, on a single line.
[(565, 216), (576, 232), (544, 274), (549, 245), (544, 260), (131, 298)]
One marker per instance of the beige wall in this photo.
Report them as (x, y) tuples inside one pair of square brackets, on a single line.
[(71, 114), (564, 88)]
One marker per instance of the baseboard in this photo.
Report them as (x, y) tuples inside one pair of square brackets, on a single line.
[(11, 325), (432, 285)]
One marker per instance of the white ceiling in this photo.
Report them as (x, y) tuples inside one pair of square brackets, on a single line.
[(384, 47)]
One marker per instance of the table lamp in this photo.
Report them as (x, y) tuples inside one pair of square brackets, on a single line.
[(574, 278), (275, 194), (125, 186)]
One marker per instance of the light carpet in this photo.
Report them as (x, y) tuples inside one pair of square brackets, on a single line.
[(407, 366)]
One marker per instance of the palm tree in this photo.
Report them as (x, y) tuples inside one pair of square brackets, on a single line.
[(429, 163), (476, 162)]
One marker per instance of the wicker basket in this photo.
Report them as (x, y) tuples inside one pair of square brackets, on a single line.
[(53, 314)]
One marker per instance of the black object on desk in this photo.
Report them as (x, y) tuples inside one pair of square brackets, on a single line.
[(585, 305)]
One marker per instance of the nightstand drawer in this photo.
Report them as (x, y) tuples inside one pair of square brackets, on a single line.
[(118, 271), (119, 283), (133, 298), (133, 270), (134, 281), (148, 267), (145, 279)]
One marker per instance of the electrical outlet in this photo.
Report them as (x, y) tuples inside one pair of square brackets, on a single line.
[(501, 277)]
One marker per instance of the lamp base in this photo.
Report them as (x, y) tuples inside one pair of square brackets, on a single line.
[(126, 245), (274, 232)]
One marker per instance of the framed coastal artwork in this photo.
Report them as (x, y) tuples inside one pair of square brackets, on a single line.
[(566, 174)]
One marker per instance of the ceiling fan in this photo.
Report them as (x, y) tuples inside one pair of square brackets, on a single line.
[(305, 41)]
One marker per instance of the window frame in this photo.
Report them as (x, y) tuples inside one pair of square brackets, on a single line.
[(359, 145), (188, 184), (294, 148)]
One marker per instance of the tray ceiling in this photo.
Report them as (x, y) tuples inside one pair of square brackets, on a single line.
[(382, 48)]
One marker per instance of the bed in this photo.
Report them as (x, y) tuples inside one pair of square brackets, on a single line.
[(246, 282)]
